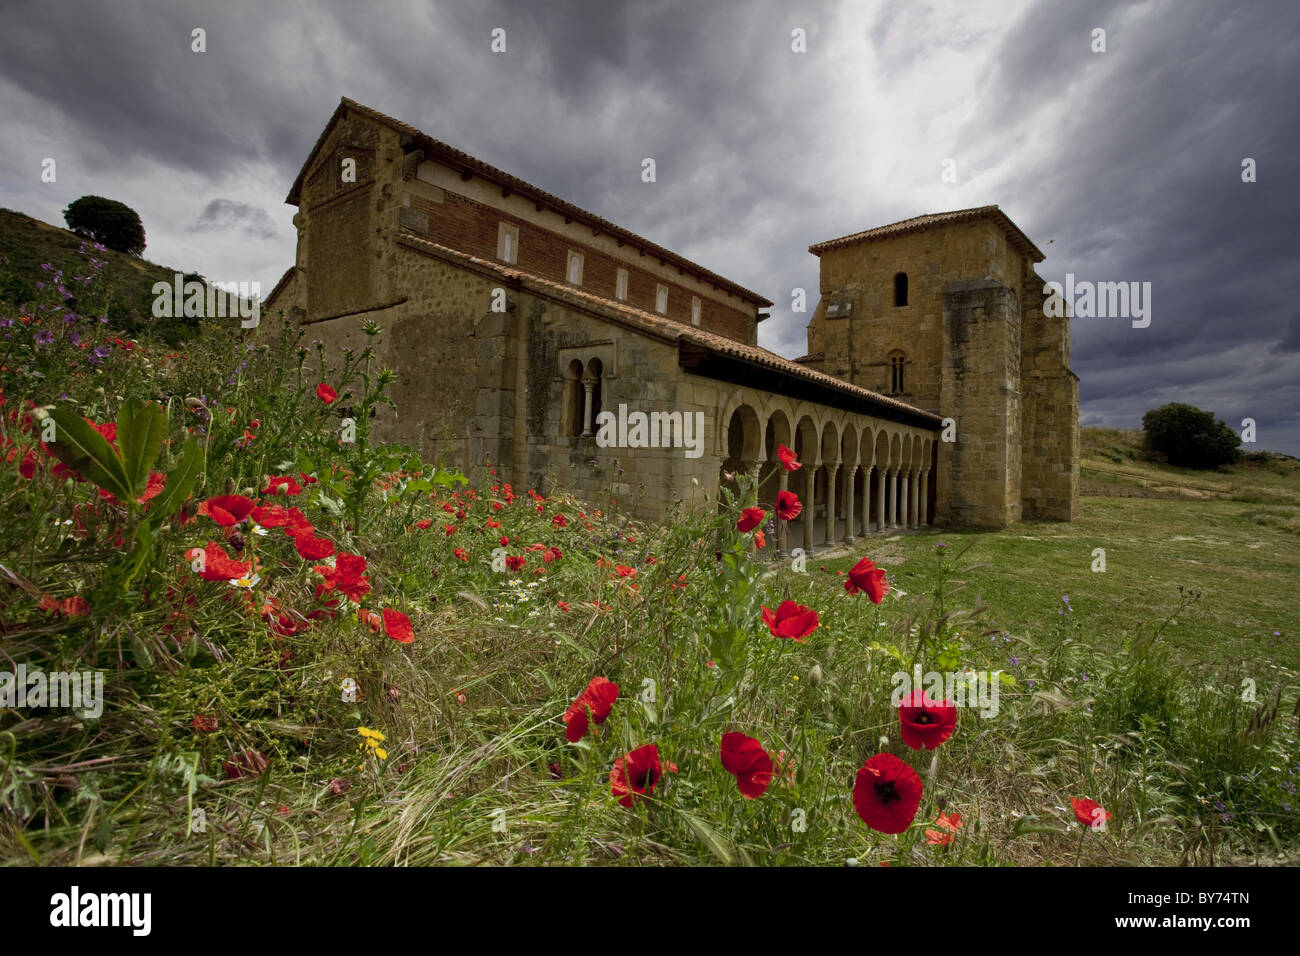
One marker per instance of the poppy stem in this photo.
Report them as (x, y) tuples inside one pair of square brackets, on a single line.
[(1083, 832)]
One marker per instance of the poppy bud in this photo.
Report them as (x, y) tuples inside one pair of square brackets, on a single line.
[(230, 486), (68, 485), (815, 675)]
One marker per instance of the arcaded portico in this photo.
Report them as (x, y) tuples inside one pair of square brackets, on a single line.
[(860, 474)]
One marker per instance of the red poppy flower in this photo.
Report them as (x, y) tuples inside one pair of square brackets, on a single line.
[(287, 482), (926, 722), (750, 519), (887, 794), (760, 540), (563, 606), (347, 576), (788, 458), (635, 773), (398, 626), (424, 524), (326, 394), (788, 505), (599, 697), (515, 562), (217, 565), (311, 547), (948, 825), (227, 510), (204, 724), (75, 606), (271, 516), (153, 487), (462, 554), (791, 620), (745, 758), (865, 576), (27, 468), (248, 764), (559, 521), (1089, 812), (624, 571)]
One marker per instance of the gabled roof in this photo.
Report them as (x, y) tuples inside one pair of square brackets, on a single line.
[(932, 220), (685, 336), (467, 164)]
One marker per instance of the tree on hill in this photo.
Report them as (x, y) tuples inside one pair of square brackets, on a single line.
[(1190, 437), (107, 221)]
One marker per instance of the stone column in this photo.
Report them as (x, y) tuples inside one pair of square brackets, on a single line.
[(891, 499), (831, 471), (880, 498), (588, 386), (925, 498), (905, 482), (809, 503), (866, 500), (849, 516), (912, 511)]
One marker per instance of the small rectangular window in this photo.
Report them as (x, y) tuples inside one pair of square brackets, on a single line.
[(508, 242), (661, 300), (620, 286), (695, 310), (574, 273)]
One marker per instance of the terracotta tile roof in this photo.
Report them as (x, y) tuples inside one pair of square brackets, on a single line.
[(814, 357), (444, 153), (917, 223), (660, 327)]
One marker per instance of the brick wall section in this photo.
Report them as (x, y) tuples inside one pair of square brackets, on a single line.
[(471, 227)]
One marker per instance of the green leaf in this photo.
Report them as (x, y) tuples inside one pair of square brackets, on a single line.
[(141, 427), (141, 553), (88, 453), (180, 480), (710, 838)]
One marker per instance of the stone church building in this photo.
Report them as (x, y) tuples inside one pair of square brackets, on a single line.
[(936, 391)]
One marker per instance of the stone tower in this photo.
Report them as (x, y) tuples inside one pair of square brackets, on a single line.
[(945, 312)]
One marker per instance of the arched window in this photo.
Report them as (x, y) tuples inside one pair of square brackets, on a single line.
[(574, 400), (897, 363), (900, 289)]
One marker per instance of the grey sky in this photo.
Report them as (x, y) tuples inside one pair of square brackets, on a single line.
[(1123, 165)]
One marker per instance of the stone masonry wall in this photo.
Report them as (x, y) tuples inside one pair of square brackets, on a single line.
[(979, 473)]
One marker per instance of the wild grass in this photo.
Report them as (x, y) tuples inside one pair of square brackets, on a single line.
[(229, 736)]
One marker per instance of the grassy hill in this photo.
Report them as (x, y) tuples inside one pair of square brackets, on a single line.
[(124, 292), (1113, 465)]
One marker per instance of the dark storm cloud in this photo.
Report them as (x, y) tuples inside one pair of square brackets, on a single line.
[(1144, 183), (1129, 160), (231, 214)]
